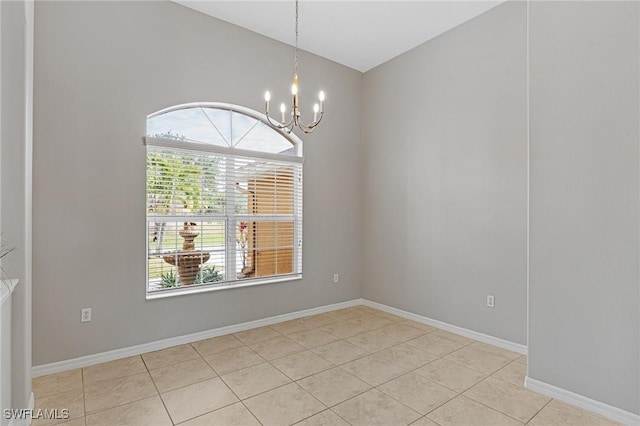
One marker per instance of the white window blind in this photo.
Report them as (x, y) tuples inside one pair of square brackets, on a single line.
[(219, 216)]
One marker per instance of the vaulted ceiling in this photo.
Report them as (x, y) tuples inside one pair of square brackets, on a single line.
[(359, 34)]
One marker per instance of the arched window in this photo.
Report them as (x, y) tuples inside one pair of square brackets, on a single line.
[(224, 200)]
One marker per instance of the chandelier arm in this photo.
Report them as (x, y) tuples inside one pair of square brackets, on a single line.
[(279, 125), (310, 126)]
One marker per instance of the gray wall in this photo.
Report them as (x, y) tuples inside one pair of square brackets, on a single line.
[(13, 190), (584, 302), (444, 176), (101, 67)]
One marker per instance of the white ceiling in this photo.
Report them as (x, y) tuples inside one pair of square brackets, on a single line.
[(360, 34)]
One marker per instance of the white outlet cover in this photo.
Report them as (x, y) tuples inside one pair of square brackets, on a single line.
[(85, 315), (490, 301)]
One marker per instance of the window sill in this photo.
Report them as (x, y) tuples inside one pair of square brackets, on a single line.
[(162, 294)]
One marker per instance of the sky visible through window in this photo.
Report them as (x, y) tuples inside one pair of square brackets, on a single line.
[(219, 127)]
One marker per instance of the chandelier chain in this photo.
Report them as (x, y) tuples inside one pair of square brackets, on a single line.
[(296, 49)]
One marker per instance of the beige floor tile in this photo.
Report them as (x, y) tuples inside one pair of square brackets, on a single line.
[(451, 375), (371, 322), (511, 356), (276, 348), (57, 383), (333, 386), (312, 338), (317, 321), (111, 393), (301, 364), (375, 408), (514, 401), (183, 374), (557, 413), (420, 326), (373, 370), (435, 344), (254, 380), (233, 359), (464, 411), (325, 418), (401, 331), (216, 344), (291, 326), (146, 412), (478, 359), (344, 329), (80, 421), (70, 400), (113, 369), (406, 356), (522, 360), (345, 314), (417, 392), (232, 415), (197, 399), (367, 309), (424, 421), (283, 406), (389, 316), (169, 356), (257, 335), (340, 352), (513, 373), (374, 340), (455, 337)]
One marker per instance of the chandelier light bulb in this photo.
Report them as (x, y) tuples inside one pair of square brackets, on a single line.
[(267, 96), (316, 108), (283, 109), (321, 96)]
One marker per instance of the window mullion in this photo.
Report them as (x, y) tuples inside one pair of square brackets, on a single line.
[(230, 224)]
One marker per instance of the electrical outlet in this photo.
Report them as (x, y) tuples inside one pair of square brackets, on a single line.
[(86, 315), (491, 301), (336, 278)]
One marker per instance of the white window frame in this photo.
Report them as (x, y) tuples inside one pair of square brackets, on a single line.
[(230, 217)]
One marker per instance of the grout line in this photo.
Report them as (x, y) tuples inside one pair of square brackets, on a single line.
[(537, 412), (157, 390)]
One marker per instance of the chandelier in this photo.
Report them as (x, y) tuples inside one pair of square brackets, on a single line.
[(295, 120)]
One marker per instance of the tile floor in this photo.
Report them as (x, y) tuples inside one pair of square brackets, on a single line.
[(355, 366)]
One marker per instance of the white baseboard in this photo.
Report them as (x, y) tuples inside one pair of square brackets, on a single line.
[(85, 361), (597, 407), (485, 338), (25, 421)]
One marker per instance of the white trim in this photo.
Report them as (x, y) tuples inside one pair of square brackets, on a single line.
[(85, 361), (613, 413), (222, 150), (528, 212), (28, 198), (485, 338), (6, 289), (25, 421), (186, 290)]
